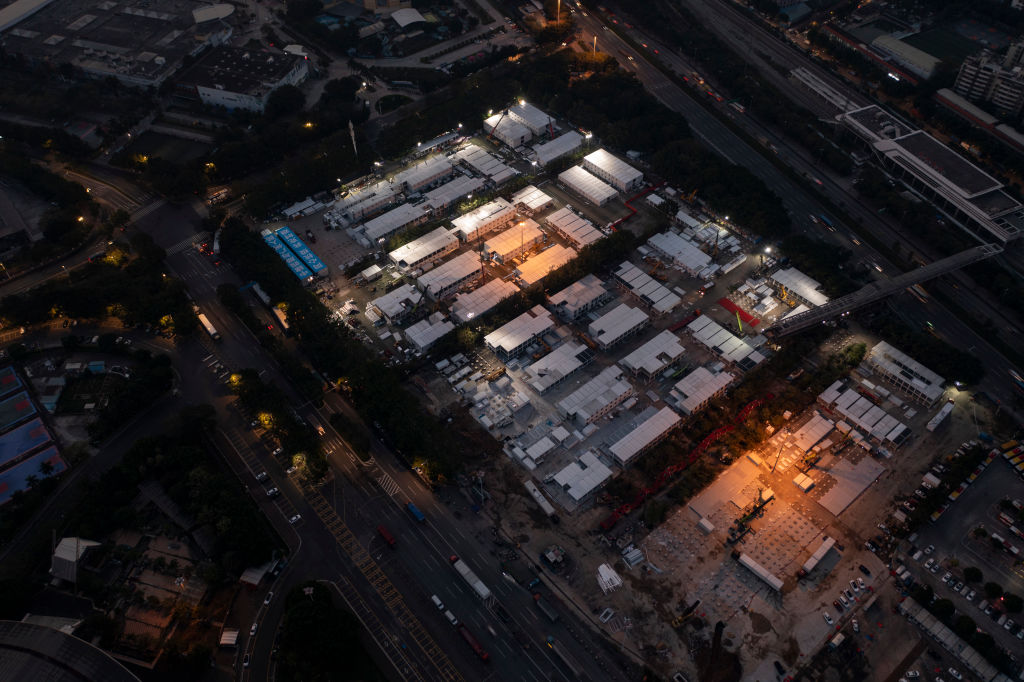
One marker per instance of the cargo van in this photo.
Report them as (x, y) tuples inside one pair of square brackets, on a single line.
[(388, 537), (437, 602)]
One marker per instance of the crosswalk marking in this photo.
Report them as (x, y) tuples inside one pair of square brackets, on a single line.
[(388, 484), (187, 243)]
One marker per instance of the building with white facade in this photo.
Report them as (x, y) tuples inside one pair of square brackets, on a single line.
[(617, 325), (396, 305), (729, 347), (581, 478), (485, 163), (906, 373), (492, 216), (654, 356), (241, 78), (799, 286), (646, 289), (471, 305), (539, 122), (699, 387), (530, 200), (587, 185), (552, 150), (440, 199), (580, 297), (424, 333), (513, 242), (597, 398), (613, 170), (451, 276), (577, 230), (361, 203), (507, 130), (423, 252), (396, 220), (537, 268), (425, 174), (512, 338), (645, 436), (557, 366), (680, 252)]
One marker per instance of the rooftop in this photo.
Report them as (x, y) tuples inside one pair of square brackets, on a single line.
[(681, 250), (37, 652), (613, 166), (557, 365), (507, 127), (646, 288), (800, 284), (411, 254), (466, 225), (416, 176), (485, 163), (523, 233), (531, 116), (394, 220), (655, 355), (566, 143), (606, 388), (426, 332), (450, 192), (579, 295), (511, 338), (588, 184), (536, 268), (644, 434), (531, 198), (697, 387), (239, 69), (573, 227), (477, 302), (582, 477), (898, 363), (728, 346), (615, 324), (942, 160), (448, 273), (398, 302)]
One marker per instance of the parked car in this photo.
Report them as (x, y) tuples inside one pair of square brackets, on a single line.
[(955, 674), (856, 625), (848, 595), (911, 674), (860, 581), (864, 569), (837, 605), (828, 618), (844, 600), (970, 595), (928, 564), (853, 584), (273, 492), (270, 596), (929, 549), (252, 630), (946, 578)]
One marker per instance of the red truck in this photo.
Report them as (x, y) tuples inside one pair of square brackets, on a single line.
[(471, 641), (388, 537)]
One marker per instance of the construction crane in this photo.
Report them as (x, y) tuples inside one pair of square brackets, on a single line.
[(786, 298), (878, 290), (690, 197), (551, 129), (504, 113)]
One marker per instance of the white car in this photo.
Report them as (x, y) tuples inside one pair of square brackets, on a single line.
[(860, 581), (911, 674), (929, 549), (252, 630), (955, 674), (928, 564), (828, 618), (295, 519), (856, 625), (855, 586), (845, 602)]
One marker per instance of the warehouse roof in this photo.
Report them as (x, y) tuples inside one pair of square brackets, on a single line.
[(507, 127), (394, 220), (655, 355), (588, 184), (466, 225), (583, 476), (614, 325), (477, 302), (405, 16), (511, 337), (484, 163), (531, 198), (575, 228), (410, 255), (681, 250), (537, 268), (451, 271), (613, 166), (697, 387), (606, 388), (556, 365), (800, 284), (723, 342), (522, 233), (579, 295), (398, 302), (450, 192), (813, 431), (566, 143), (646, 288), (650, 431), (37, 652), (531, 116), (426, 332)]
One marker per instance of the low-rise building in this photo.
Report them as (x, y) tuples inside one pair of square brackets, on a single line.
[(537, 121), (507, 130), (530, 200), (617, 325), (427, 173), (512, 338), (485, 163), (597, 398), (471, 305), (451, 276), (577, 230), (646, 289), (587, 185), (552, 150), (482, 220), (241, 77), (613, 170), (441, 199), (906, 373), (514, 242), (680, 252), (645, 436), (699, 387), (797, 285), (580, 297), (654, 356), (400, 218), (396, 305), (729, 347), (538, 267), (557, 366), (423, 252), (423, 334), (581, 478)]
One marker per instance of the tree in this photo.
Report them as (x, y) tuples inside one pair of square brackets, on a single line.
[(993, 590), (973, 574), (1012, 602), (965, 626), (943, 609), (286, 99)]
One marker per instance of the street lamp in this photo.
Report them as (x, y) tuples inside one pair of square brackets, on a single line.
[(595, 44)]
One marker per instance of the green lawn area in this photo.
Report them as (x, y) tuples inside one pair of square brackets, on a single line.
[(944, 43)]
